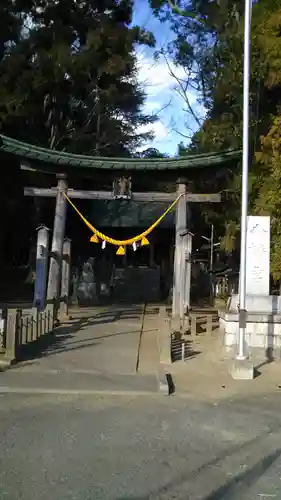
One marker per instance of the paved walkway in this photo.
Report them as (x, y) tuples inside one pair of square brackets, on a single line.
[(95, 340), (98, 349), (116, 350)]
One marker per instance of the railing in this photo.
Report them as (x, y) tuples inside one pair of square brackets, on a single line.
[(20, 326), (176, 336)]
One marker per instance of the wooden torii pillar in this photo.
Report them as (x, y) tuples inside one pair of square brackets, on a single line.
[(180, 241), (182, 255), (55, 269)]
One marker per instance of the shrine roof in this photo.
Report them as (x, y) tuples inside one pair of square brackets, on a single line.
[(30, 152)]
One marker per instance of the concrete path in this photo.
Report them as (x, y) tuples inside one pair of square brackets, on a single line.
[(98, 349), (145, 448), (115, 350)]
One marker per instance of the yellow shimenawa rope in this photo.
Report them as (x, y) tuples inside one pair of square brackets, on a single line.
[(130, 241)]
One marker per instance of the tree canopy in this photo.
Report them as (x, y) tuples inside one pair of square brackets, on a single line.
[(68, 81), (68, 75), (209, 38)]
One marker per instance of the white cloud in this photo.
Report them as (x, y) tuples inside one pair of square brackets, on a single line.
[(159, 129), (155, 75), (160, 132)]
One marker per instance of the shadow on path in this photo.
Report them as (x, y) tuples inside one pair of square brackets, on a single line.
[(64, 337), (234, 489)]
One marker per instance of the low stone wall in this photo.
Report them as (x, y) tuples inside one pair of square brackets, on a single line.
[(263, 330)]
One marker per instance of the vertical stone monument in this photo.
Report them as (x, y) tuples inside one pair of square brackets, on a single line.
[(263, 328), (258, 256)]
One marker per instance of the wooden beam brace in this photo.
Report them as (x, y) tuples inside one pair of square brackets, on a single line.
[(108, 195)]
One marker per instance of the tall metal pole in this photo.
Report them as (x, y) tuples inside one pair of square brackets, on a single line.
[(241, 355)]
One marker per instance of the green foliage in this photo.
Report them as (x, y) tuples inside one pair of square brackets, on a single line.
[(151, 153), (68, 81), (78, 88), (211, 41), (269, 194)]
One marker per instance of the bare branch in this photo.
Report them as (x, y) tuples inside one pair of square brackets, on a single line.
[(182, 90), (185, 136), (175, 129), (163, 107)]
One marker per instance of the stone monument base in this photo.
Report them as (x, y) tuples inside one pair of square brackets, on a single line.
[(270, 304), (263, 329), (242, 370)]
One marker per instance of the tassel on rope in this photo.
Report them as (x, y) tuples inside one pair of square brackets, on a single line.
[(134, 246), (120, 251), (94, 239), (144, 241), (103, 245)]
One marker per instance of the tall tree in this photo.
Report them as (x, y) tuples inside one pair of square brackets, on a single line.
[(267, 186), (221, 25), (78, 87), (68, 81), (205, 39)]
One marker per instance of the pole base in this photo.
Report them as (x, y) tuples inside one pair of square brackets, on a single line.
[(241, 357), (242, 369)]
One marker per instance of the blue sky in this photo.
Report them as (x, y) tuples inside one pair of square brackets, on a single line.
[(161, 87)]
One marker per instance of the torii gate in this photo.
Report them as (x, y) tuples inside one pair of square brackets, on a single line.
[(60, 163), (183, 245)]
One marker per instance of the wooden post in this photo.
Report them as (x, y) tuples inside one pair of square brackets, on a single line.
[(65, 277), (34, 323), (50, 312), (41, 267), (209, 324), (188, 253), (57, 241), (186, 281), (182, 280), (193, 326), (12, 334), (181, 223)]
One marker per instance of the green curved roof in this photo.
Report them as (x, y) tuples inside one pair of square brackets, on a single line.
[(61, 158)]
